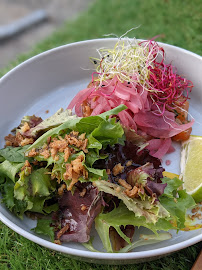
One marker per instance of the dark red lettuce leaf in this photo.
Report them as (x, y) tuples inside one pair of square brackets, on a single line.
[(123, 153), (152, 176), (154, 187), (117, 241), (71, 214), (34, 121)]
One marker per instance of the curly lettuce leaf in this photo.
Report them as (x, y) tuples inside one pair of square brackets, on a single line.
[(108, 132), (14, 205), (10, 169), (100, 131), (53, 121), (152, 212), (93, 156), (172, 186), (86, 125), (60, 130), (38, 183), (176, 201), (34, 190), (122, 216)]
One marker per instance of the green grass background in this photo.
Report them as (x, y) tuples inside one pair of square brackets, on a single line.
[(178, 22)]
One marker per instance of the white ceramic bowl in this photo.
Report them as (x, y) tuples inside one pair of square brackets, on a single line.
[(48, 82)]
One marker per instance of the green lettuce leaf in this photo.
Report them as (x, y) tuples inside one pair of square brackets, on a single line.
[(122, 216), (151, 212), (93, 143), (108, 132), (35, 189), (1, 159), (14, 154), (10, 169), (176, 201), (53, 121), (93, 156), (43, 227), (89, 124), (37, 184), (100, 131), (14, 205), (146, 239), (172, 186), (86, 125)]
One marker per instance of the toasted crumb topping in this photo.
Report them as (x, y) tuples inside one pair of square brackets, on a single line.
[(197, 215), (196, 209), (58, 242), (73, 181), (124, 184), (83, 207), (74, 170), (26, 141), (67, 153), (68, 174), (25, 127), (27, 168), (129, 163), (83, 193), (61, 189), (45, 153), (32, 153), (54, 146), (77, 165), (62, 231), (17, 140), (132, 193), (118, 189), (58, 145), (118, 168)]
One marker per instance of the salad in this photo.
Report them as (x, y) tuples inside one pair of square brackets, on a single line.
[(76, 171)]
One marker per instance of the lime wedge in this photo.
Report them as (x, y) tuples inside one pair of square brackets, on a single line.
[(191, 166)]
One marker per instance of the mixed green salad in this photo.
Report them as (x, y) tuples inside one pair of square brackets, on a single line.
[(73, 173)]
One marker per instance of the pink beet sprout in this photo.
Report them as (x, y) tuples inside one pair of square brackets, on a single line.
[(168, 87)]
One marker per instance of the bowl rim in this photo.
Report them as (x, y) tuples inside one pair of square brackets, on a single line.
[(85, 253)]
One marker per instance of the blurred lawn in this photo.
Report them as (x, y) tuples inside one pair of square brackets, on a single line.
[(178, 22)]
